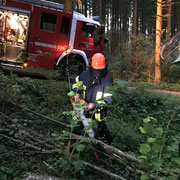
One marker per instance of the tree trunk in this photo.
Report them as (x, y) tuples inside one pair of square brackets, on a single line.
[(125, 22), (134, 25), (158, 41), (104, 12), (79, 3), (113, 29), (100, 10), (169, 20), (94, 8), (143, 18), (85, 7), (178, 16), (68, 6), (133, 59)]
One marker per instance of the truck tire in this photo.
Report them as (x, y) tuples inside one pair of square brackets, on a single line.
[(71, 67)]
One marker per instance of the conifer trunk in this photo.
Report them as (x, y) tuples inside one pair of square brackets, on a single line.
[(100, 10), (158, 41), (169, 20), (68, 6), (134, 27), (178, 16), (85, 7)]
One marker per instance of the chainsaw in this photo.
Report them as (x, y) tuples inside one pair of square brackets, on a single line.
[(81, 115)]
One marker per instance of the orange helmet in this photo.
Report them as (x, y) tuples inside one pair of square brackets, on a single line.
[(98, 61)]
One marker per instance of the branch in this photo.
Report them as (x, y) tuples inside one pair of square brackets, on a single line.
[(134, 169), (94, 141), (35, 139), (45, 117), (52, 168), (172, 117), (107, 147), (113, 151), (31, 145), (30, 176), (112, 175), (167, 127)]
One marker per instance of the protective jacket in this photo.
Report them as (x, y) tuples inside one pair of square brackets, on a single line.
[(95, 91)]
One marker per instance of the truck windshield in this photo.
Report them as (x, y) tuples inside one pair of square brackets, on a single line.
[(87, 30)]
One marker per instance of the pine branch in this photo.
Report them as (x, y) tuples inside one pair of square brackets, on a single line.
[(114, 152), (31, 145), (134, 169), (94, 141), (107, 147), (42, 116), (29, 135), (112, 175), (30, 176)]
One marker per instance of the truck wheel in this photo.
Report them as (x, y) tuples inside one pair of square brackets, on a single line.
[(70, 68)]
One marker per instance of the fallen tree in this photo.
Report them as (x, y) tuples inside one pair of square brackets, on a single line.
[(35, 146)]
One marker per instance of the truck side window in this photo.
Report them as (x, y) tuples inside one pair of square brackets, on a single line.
[(48, 22), (65, 25), (87, 30)]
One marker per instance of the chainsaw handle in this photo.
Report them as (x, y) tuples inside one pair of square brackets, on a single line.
[(73, 102)]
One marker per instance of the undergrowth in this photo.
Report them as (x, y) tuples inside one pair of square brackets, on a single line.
[(49, 98)]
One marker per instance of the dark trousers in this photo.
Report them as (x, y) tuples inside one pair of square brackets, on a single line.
[(101, 133)]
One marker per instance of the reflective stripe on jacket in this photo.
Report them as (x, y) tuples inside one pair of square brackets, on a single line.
[(95, 91)]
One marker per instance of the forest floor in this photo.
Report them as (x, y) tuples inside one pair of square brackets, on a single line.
[(36, 125)]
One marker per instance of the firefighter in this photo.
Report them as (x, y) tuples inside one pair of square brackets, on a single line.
[(95, 93)]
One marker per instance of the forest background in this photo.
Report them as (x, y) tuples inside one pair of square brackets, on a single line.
[(36, 115), (136, 29)]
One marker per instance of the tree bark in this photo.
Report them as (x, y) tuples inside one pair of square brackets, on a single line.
[(85, 5), (68, 6), (178, 16), (100, 10), (125, 22), (169, 20), (133, 59), (134, 25), (143, 18), (107, 173), (94, 8), (158, 41)]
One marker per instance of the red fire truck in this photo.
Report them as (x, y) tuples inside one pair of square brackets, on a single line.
[(46, 36)]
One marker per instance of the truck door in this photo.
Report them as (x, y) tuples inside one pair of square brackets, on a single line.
[(64, 32), (45, 37), (85, 39)]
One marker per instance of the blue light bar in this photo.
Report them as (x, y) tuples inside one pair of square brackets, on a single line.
[(95, 18)]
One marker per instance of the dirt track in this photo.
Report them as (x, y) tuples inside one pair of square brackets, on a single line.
[(161, 91), (170, 92)]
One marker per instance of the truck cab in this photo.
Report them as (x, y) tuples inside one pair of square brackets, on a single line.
[(40, 34)]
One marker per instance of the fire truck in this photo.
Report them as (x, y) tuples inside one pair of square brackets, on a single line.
[(38, 33)]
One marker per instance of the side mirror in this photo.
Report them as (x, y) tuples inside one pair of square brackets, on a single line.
[(106, 40)]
